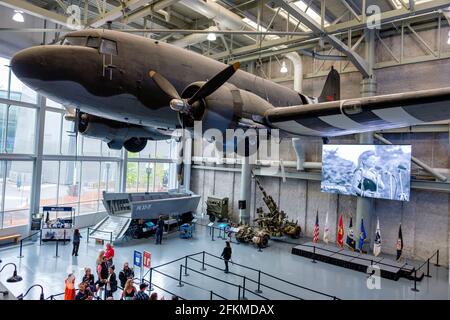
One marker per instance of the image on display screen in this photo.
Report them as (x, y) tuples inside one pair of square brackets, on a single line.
[(375, 171)]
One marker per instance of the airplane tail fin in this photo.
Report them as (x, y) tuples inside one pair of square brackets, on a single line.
[(332, 89)]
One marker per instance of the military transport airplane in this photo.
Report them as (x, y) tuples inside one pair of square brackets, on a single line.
[(130, 89)]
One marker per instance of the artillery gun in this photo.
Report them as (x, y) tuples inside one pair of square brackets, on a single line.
[(275, 222)]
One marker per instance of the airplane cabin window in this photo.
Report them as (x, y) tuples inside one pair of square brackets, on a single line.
[(108, 47), (74, 41), (93, 42)]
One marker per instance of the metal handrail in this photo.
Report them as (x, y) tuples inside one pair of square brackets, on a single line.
[(169, 262), (250, 279), (182, 281), (30, 236), (277, 278), (160, 288)]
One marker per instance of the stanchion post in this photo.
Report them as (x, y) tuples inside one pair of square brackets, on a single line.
[(40, 237), (415, 281), (181, 274), (110, 237), (150, 274), (437, 259), (20, 253), (64, 239), (243, 288), (57, 247), (314, 255), (428, 269), (210, 295), (212, 234), (239, 292), (203, 262), (185, 266), (259, 282), (87, 236)]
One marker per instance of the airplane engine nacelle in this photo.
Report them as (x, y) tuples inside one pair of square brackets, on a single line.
[(225, 107), (115, 133)]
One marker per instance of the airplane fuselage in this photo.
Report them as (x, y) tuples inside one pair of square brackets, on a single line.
[(114, 83)]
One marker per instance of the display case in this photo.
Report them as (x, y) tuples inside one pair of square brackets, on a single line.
[(57, 223)]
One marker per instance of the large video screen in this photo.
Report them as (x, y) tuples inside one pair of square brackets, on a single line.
[(375, 171)]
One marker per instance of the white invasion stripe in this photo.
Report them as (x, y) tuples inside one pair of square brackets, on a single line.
[(295, 127), (342, 122), (397, 116)]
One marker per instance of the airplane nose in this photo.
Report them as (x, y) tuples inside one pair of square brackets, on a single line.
[(28, 63)]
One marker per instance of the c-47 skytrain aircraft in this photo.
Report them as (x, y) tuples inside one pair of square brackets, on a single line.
[(129, 89)]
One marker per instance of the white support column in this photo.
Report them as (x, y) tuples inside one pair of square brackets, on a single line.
[(37, 165), (246, 184), (123, 171), (364, 206), (187, 158)]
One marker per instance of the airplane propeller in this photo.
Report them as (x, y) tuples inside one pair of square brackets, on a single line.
[(185, 105)]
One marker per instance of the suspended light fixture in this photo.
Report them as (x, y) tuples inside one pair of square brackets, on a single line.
[(15, 277), (18, 16), (211, 36), (283, 67)]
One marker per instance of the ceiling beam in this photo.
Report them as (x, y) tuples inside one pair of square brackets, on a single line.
[(154, 7), (390, 16), (38, 12), (302, 16), (118, 12)]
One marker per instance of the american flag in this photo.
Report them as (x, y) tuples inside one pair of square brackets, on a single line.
[(316, 229)]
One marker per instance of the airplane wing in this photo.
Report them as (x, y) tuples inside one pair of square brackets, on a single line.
[(351, 116)]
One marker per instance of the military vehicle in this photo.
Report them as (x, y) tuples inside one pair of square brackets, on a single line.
[(217, 208)]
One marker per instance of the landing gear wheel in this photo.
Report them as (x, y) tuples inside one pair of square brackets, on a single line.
[(212, 218), (135, 144)]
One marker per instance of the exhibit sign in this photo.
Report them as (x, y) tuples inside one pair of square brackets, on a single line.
[(137, 259), (147, 259), (373, 171)]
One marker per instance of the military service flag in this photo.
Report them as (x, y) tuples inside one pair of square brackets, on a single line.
[(340, 233), (326, 231), (362, 236), (377, 243), (399, 243), (350, 238)]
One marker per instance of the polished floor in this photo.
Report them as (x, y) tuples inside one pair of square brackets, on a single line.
[(40, 266)]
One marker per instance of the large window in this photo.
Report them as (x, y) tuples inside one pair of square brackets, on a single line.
[(152, 169), (15, 183)]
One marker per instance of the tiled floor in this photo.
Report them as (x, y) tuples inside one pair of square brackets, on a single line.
[(40, 266)]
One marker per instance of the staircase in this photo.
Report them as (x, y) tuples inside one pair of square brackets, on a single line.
[(111, 228)]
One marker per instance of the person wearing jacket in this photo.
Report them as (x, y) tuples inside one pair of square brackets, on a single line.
[(76, 242), (159, 230), (226, 254), (109, 254), (111, 283), (125, 274)]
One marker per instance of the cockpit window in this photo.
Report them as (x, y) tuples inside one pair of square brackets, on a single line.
[(93, 42), (74, 41), (108, 47)]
